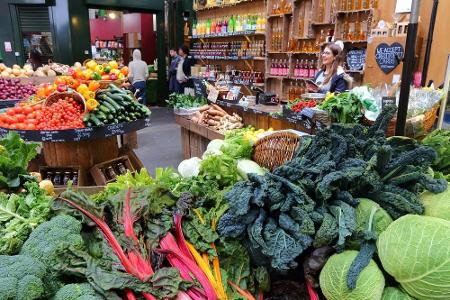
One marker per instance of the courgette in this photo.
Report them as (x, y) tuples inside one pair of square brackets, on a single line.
[(114, 104), (101, 115), (113, 87), (86, 118), (95, 120), (116, 97), (104, 108), (109, 106)]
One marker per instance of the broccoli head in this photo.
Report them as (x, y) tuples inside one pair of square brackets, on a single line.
[(21, 278), (57, 244), (77, 291)]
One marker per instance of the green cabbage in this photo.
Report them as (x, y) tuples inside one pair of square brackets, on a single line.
[(380, 218), (415, 250), (333, 279), (437, 205), (247, 166), (392, 293)]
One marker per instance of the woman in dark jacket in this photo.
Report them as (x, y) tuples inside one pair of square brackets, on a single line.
[(332, 77)]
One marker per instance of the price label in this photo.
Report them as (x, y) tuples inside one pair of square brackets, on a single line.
[(307, 123), (116, 129), (147, 122), (3, 132), (388, 101), (319, 125), (48, 135), (213, 95), (83, 133)]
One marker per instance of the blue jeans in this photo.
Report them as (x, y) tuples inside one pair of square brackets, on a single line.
[(142, 94)]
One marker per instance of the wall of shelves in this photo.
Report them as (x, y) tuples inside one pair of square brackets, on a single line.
[(295, 34)]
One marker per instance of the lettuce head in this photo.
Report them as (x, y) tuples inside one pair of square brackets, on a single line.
[(392, 293), (415, 250), (437, 205), (333, 279)]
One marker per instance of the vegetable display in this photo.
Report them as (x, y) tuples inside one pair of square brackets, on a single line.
[(299, 104), (114, 106), (185, 101), (343, 108), (218, 119), (439, 140)]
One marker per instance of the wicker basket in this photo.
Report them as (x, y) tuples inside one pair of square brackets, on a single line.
[(52, 98), (274, 150), (429, 118)]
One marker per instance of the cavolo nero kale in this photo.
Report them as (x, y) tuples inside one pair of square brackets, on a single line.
[(311, 200)]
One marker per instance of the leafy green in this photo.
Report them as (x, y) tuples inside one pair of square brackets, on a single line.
[(439, 140), (185, 101), (20, 214), (15, 155), (425, 242), (437, 205), (237, 147), (221, 168), (76, 290), (345, 107)]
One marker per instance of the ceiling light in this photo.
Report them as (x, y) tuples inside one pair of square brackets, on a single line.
[(112, 15)]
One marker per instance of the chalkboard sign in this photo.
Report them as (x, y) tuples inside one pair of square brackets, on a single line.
[(356, 59), (388, 101), (199, 88), (388, 57), (79, 134)]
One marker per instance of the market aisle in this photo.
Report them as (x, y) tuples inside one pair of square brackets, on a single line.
[(160, 144)]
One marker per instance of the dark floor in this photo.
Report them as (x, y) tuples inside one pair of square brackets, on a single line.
[(160, 144)]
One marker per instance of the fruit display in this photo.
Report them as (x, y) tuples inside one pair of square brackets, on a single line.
[(95, 71), (13, 89), (113, 106), (26, 71)]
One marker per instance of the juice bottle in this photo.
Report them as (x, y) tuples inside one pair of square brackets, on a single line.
[(356, 34), (231, 25), (208, 26), (312, 70), (343, 5)]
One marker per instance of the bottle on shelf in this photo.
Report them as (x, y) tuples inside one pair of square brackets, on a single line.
[(231, 25), (194, 27), (225, 25), (301, 27), (349, 5), (365, 4), (345, 30), (312, 70), (375, 4), (321, 12), (343, 6), (356, 4), (363, 31), (208, 26), (322, 38), (357, 31)]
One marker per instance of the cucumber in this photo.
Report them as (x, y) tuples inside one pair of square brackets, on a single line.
[(104, 108), (113, 87), (86, 118), (116, 97), (109, 106), (110, 117), (101, 115), (96, 121), (114, 104), (128, 98)]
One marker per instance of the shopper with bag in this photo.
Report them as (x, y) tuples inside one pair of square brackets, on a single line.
[(137, 75)]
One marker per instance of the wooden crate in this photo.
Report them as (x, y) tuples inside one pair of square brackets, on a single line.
[(81, 172), (88, 190), (134, 159), (98, 171)]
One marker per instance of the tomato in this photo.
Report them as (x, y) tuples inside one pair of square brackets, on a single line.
[(21, 117), (37, 107), (20, 126), (30, 127), (27, 110), (10, 111), (18, 110)]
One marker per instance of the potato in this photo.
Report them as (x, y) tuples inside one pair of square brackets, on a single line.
[(2, 67), (16, 67), (51, 73)]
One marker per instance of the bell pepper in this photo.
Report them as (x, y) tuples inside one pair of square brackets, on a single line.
[(73, 83), (99, 69), (124, 70), (91, 104), (60, 80), (113, 64), (113, 76), (107, 69), (121, 76), (115, 71), (92, 64), (93, 86), (96, 76), (87, 74), (82, 88), (88, 94)]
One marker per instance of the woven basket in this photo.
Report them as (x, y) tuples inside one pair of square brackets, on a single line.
[(274, 150), (427, 124), (52, 98)]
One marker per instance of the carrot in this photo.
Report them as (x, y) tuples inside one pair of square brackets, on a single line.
[(204, 108), (215, 112), (217, 107)]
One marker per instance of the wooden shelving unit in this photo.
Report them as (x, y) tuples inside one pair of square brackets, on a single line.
[(291, 27)]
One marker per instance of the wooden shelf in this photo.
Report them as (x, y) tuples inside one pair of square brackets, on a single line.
[(305, 53), (355, 42), (215, 36), (303, 38), (343, 12), (279, 15), (355, 71), (322, 24), (226, 5), (229, 58)]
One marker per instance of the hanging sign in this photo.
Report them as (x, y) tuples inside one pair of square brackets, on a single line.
[(356, 59), (388, 57)]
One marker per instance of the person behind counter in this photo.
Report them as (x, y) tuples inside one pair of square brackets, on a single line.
[(184, 68), (137, 75), (332, 77), (175, 59)]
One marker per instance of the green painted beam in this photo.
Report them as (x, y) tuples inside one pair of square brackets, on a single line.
[(162, 92), (152, 5)]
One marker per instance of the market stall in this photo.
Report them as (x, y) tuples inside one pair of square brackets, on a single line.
[(78, 117)]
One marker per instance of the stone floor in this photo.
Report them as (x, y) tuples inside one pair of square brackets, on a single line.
[(160, 144)]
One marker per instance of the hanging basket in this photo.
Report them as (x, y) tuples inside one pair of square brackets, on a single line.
[(274, 150)]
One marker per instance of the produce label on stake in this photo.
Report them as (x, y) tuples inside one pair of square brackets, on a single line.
[(213, 95)]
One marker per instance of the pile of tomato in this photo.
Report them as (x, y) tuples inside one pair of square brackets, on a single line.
[(63, 114), (298, 107)]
